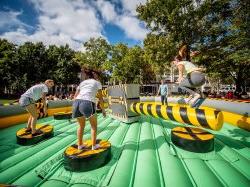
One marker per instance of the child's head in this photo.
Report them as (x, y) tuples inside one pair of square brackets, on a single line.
[(49, 83), (90, 73), (184, 52)]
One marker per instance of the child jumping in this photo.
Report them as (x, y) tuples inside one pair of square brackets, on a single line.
[(194, 77), (84, 106)]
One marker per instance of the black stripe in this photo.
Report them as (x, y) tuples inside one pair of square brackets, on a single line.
[(201, 133), (149, 109), (216, 112), (130, 116), (141, 108), (134, 107), (170, 113), (184, 115), (133, 98), (200, 114), (158, 111), (190, 132), (44, 126)]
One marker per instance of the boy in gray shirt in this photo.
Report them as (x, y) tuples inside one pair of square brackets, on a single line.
[(28, 100), (163, 90)]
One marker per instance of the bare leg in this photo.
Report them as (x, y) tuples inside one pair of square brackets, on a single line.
[(33, 112), (93, 122), (80, 130), (29, 122)]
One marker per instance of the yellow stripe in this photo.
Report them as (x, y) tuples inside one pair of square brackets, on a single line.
[(193, 117), (176, 114), (132, 108), (237, 120), (153, 109), (21, 118), (145, 109), (215, 122), (210, 117), (164, 112), (137, 108)]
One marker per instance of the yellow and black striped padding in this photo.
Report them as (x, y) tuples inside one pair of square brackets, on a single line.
[(87, 159), (104, 93), (206, 118), (63, 115), (40, 110), (192, 139), (26, 138)]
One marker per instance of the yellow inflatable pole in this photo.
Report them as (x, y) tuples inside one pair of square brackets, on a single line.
[(207, 118)]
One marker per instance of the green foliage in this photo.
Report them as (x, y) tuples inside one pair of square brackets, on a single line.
[(218, 29), (31, 63), (158, 52), (66, 68), (129, 65), (7, 59), (96, 54)]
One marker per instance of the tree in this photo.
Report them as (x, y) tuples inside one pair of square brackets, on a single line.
[(67, 69), (7, 59), (219, 29), (95, 55), (129, 65), (178, 20), (30, 67), (226, 42), (158, 52)]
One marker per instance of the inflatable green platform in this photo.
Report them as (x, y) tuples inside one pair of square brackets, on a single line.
[(142, 156)]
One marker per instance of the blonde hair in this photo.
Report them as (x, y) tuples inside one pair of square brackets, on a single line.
[(48, 81)]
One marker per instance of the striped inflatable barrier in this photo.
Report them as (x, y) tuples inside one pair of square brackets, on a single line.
[(206, 118)]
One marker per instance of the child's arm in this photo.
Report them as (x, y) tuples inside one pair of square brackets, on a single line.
[(158, 93), (44, 102), (76, 93), (181, 70)]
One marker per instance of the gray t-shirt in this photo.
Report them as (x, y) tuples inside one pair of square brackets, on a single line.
[(35, 92), (88, 90), (163, 89)]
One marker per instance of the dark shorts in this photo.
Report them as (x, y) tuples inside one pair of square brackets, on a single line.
[(83, 108), (25, 101)]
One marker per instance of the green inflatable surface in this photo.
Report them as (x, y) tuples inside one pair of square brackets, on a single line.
[(142, 156)]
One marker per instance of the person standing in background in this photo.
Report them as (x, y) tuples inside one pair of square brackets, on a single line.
[(163, 91)]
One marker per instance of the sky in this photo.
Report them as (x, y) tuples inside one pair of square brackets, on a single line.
[(71, 22)]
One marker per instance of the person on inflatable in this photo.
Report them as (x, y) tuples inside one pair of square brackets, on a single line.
[(194, 77), (28, 100), (84, 105)]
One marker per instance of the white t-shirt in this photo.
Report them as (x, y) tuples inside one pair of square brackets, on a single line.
[(35, 92), (88, 90)]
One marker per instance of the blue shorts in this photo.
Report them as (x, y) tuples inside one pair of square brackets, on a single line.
[(25, 101), (83, 108)]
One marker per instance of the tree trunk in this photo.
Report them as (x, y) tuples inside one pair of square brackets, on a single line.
[(239, 82)]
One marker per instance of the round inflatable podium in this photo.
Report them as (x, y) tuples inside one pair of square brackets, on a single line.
[(63, 115), (192, 139), (26, 138), (87, 159)]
